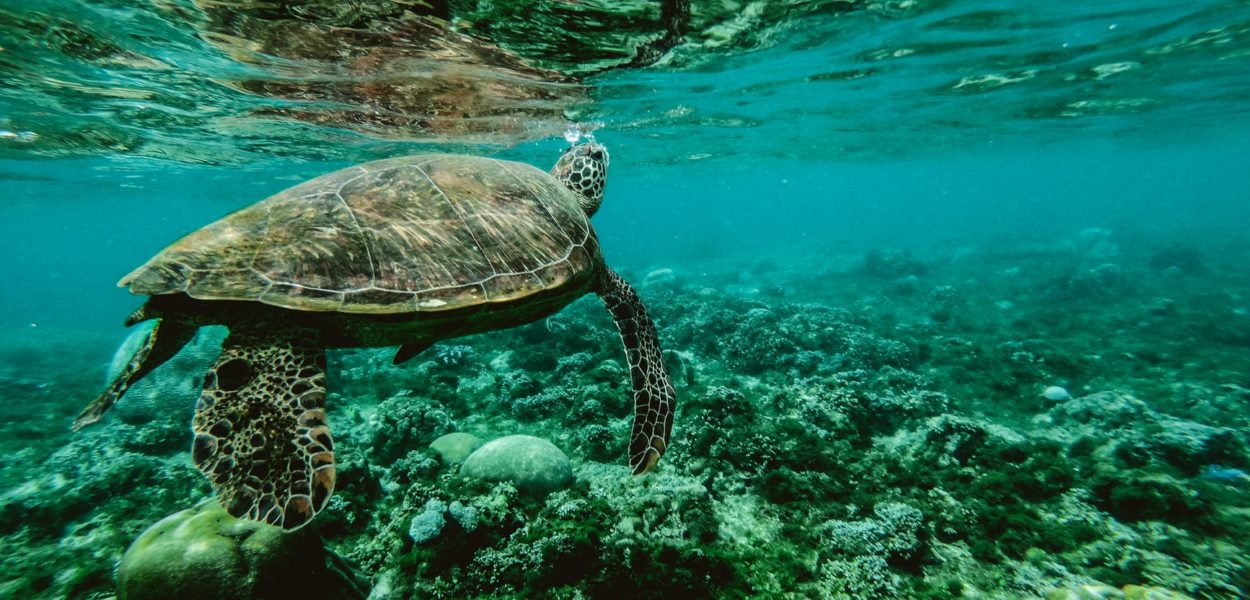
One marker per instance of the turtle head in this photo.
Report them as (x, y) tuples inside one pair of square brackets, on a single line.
[(584, 169)]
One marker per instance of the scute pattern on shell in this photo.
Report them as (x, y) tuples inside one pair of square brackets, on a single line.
[(417, 233)]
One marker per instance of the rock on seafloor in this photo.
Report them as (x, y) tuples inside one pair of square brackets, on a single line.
[(1055, 393), (1098, 591), (205, 553), (454, 448), (534, 465)]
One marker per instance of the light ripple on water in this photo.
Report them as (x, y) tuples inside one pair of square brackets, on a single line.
[(234, 82)]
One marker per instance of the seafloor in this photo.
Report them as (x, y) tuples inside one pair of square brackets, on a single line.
[(854, 423)]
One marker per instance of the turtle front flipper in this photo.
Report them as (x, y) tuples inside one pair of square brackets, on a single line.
[(162, 343), (261, 434), (654, 399)]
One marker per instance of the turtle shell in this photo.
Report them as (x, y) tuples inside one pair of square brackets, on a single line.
[(417, 233)]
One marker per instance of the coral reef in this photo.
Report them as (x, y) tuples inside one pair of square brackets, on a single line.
[(1059, 420)]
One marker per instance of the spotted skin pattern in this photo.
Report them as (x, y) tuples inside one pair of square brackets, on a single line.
[(261, 434), (584, 169), (654, 398)]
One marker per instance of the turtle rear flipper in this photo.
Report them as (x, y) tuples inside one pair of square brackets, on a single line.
[(164, 341), (654, 398), (261, 434)]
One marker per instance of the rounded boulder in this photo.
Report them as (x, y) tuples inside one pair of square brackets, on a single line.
[(206, 553), (534, 465), (454, 448)]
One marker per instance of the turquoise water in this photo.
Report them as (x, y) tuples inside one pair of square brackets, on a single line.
[(871, 235)]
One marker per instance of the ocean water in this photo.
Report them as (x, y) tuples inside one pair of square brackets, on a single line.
[(954, 297)]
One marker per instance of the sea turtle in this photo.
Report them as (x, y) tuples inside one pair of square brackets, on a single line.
[(405, 251)]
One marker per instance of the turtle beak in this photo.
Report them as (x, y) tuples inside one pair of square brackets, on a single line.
[(584, 170), (599, 153)]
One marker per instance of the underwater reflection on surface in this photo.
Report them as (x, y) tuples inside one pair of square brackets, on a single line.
[(238, 82)]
